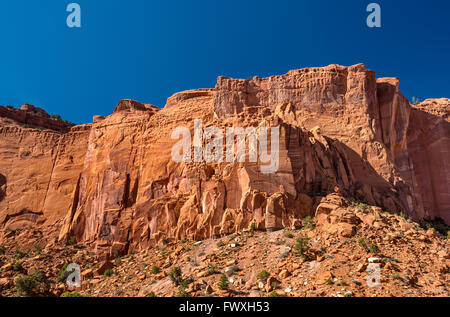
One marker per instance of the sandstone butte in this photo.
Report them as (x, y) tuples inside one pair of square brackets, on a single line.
[(112, 185)]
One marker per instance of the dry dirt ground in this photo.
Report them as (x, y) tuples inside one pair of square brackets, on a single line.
[(412, 261)]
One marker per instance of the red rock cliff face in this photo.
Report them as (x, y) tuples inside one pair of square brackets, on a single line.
[(39, 171), (113, 184), (368, 116), (428, 143)]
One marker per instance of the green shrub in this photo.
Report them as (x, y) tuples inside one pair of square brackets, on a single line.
[(72, 240), (38, 248), (274, 294), (263, 275), (329, 282), (63, 274), (3, 249), (302, 246), (29, 285), (223, 282), (71, 294), (108, 272), (17, 267), (220, 244), (55, 117), (182, 292), (360, 205), (155, 269), (362, 243), (184, 284), (176, 275), (373, 248), (308, 222), (342, 283), (288, 235), (151, 294), (212, 270), (21, 254), (448, 234)]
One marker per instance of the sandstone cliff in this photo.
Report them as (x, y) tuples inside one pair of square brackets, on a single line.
[(113, 185)]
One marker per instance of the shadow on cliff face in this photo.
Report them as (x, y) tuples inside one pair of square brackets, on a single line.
[(334, 165), (428, 149), (366, 185), (2, 187)]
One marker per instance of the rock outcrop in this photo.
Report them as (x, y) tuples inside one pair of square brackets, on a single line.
[(30, 116), (113, 184)]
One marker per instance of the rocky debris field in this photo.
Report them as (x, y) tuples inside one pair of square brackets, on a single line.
[(328, 256)]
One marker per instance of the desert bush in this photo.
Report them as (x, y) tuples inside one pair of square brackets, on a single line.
[(263, 275), (63, 274), (373, 248), (72, 240), (223, 282), (176, 275), (302, 246), (17, 267), (71, 294), (21, 254), (29, 285), (308, 222), (212, 270), (38, 248), (360, 205), (362, 243), (55, 117), (155, 269), (108, 272)]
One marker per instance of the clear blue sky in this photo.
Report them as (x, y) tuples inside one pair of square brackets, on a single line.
[(147, 50)]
